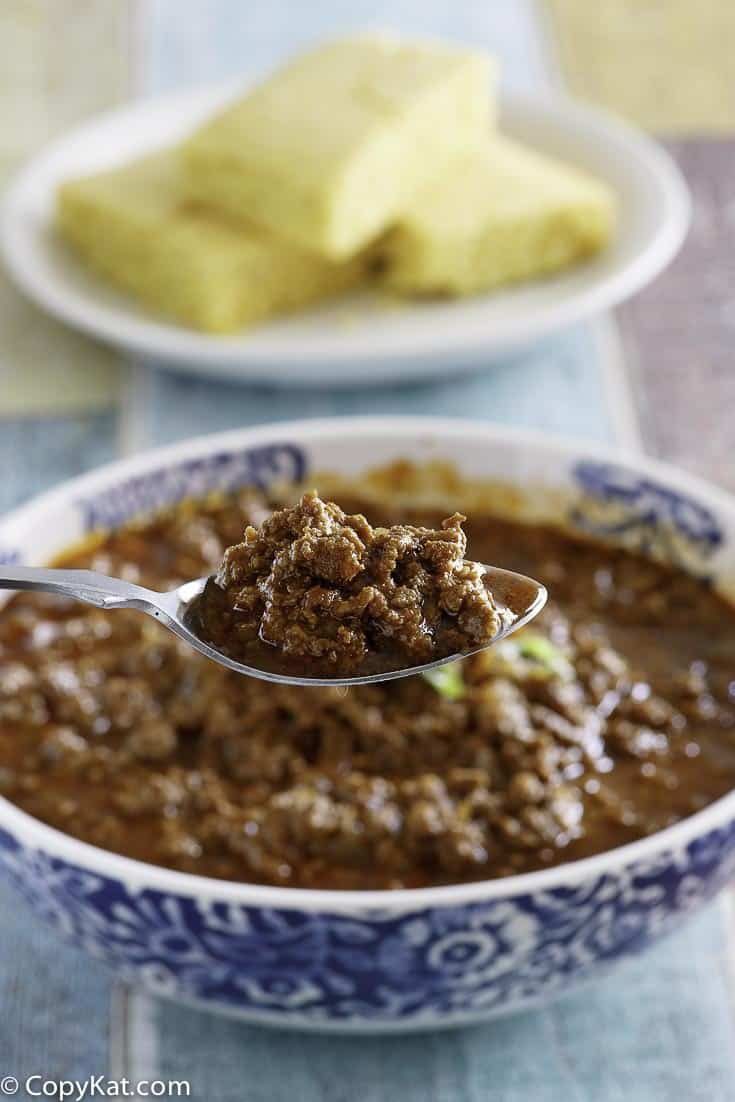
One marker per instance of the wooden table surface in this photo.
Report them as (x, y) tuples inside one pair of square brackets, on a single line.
[(656, 375)]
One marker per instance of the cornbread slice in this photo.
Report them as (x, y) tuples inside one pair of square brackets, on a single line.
[(208, 271), (332, 147), (497, 217)]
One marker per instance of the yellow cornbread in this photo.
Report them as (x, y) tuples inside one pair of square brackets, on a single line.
[(332, 147), (497, 217), (131, 226)]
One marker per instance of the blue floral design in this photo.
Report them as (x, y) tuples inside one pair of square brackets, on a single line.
[(226, 471), (425, 966), (619, 503)]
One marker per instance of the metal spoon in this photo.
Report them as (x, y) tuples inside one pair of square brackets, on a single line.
[(523, 597)]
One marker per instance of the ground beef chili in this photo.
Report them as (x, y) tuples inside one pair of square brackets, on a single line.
[(611, 717), (315, 592)]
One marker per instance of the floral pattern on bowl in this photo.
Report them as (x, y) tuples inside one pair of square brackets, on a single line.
[(423, 967)]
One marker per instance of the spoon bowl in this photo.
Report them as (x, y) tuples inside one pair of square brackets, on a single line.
[(521, 598)]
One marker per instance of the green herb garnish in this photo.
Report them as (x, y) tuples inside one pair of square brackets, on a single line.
[(529, 654), (539, 648), (446, 680)]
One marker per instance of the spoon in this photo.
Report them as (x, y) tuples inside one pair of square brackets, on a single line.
[(521, 596)]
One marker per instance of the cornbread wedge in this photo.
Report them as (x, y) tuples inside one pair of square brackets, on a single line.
[(497, 217), (332, 147), (206, 270)]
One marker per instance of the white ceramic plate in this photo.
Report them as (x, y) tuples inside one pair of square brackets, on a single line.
[(359, 339)]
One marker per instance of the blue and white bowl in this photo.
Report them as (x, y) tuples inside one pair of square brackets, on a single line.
[(381, 960)]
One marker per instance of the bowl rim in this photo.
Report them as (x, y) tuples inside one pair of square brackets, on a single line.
[(140, 876)]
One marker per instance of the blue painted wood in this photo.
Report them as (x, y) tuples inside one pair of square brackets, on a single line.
[(38, 452), (54, 1001), (555, 387)]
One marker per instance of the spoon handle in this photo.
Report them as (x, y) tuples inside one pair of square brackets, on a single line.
[(80, 585)]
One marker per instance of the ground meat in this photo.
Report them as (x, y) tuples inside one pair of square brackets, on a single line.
[(591, 728), (317, 592)]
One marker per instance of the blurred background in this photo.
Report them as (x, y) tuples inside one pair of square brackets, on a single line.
[(656, 374), (665, 64)]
